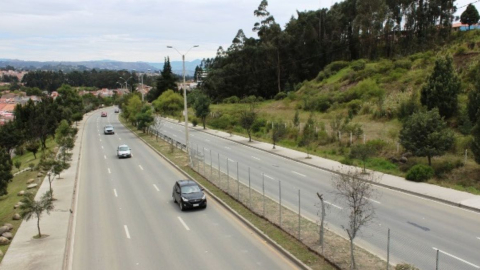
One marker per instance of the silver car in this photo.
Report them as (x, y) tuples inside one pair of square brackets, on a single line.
[(123, 151), (108, 129)]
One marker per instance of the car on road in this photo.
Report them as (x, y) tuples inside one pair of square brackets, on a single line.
[(123, 151), (188, 194), (117, 110), (104, 114), (108, 129)]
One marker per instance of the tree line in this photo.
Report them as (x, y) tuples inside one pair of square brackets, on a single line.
[(279, 59)]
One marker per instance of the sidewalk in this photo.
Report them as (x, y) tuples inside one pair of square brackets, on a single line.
[(48, 253), (442, 194)]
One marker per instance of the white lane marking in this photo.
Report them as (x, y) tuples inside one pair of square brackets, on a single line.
[(175, 135), (192, 135), (207, 140), (266, 175), (155, 186), (372, 200), (102, 146), (104, 156), (109, 170), (336, 206), (119, 138), (184, 225), (126, 231), (231, 160), (227, 147), (206, 149), (255, 158), (100, 139), (478, 238), (140, 167), (299, 173), (455, 257), (115, 191)]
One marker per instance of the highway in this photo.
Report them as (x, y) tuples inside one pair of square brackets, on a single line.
[(418, 226), (126, 218)]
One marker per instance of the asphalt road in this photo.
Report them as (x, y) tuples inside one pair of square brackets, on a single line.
[(417, 226), (126, 218)]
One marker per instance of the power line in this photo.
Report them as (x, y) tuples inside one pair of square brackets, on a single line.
[(469, 4)]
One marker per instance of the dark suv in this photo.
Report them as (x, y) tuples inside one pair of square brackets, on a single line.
[(188, 194)]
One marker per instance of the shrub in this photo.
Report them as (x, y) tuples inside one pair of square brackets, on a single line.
[(403, 64), (336, 66), (405, 266), (222, 122), (194, 122), (365, 90), (280, 95), (354, 107), (446, 166), (358, 65), (258, 124), (232, 99), (321, 76), (377, 144), (346, 161), (461, 50), (420, 173)]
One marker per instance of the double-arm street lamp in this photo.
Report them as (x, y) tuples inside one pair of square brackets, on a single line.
[(184, 95), (126, 81)]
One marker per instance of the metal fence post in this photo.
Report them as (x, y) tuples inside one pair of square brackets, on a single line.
[(198, 160), (203, 152), (436, 265), (299, 214), (280, 200), (238, 185), (388, 249), (249, 190), (211, 164), (219, 169), (228, 178), (466, 156), (263, 192)]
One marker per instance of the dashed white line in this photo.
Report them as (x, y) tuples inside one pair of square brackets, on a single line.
[(206, 149), (231, 160), (141, 168), (119, 138), (155, 186), (266, 175), (207, 140), (334, 205), (126, 231), (109, 170), (373, 200), (227, 147), (255, 158), (184, 224), (115, 191), (455, 257), (102, 146), (175, 135), (478, 238), (105, 157), (192, 135), (299, 173)]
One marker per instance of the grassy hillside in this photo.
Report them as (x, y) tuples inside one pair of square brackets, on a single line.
[(369, 99)]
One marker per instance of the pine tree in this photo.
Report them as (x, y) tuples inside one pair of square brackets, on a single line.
[(476, 141), (5, 171), (442, 88), (470, 16), (166, 81)]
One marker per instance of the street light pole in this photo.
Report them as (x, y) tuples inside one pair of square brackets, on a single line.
[(184, 96)]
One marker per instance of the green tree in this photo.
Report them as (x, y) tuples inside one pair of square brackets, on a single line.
[(473, 105), (34, 209), (202, 107), (278, 132), (442, 88), (470, 16), (169, 103), (426, 134), (308, 134), (5, 171), (476, 141), (33, 146), (145, 118), (17, 164), (10, 136), (166, 81), (134, 106), (362, 152), (296, 118), (51, 167), (247, 120)]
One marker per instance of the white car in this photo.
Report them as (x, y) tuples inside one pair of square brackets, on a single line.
[(123, 151), (108, 129)]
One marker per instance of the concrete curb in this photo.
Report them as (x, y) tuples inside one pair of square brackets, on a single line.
[(246, 222), (460, 205)]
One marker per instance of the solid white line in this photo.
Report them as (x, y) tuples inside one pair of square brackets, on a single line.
[(184, 225), (109, 170), (231, 160), (140, 167), (268, 176), (299, 174), (336, 206), (255, 158), (462, 260), (372, 200), (155, 186), (104, 156), (115, 191), (126, 231)]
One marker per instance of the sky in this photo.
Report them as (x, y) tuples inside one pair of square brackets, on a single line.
[(133, 30)]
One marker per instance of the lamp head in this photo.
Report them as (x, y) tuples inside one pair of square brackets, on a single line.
[(169, 47)]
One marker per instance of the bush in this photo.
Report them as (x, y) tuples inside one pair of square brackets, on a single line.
[(354, 107), (346, 161), (358, 65), (420, 173), (321, 76), (377, 144), (194, 122), (334, 67), (405, 266), (461, 50), (403, 64), (232, 99), (446, 166), (223, 122), (280, 95), (258, 124)]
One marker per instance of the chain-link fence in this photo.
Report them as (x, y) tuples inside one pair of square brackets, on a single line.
[(376, 247)]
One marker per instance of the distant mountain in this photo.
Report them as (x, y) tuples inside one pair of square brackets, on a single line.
[(100, 64)]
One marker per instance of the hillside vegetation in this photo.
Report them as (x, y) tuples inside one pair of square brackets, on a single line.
[(368, 100)]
